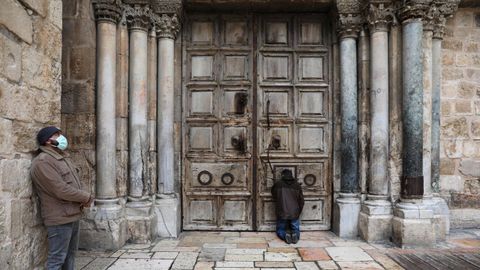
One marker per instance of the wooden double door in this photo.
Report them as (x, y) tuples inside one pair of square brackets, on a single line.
[(256, 101)]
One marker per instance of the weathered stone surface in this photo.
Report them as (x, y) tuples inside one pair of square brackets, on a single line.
[(82, 63), (40, 71), (464, 218), (11, 58), (55, 12), (16, 19), (451, 183), (78, 97), (122, 173), (15, 176), (48, 38), (409, 233), (475, 129), (79, 130), (39, 6), (185, 260), (470, 167), (455, 127), (79, 33), (348, 254), (463, 107), (99, 264), (6, 140), (447, 166)]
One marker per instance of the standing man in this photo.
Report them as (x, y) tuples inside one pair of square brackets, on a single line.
[(289, 202), (61, 197)]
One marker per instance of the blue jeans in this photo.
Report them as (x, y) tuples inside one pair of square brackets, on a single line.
[(62, 244), (284, 225)]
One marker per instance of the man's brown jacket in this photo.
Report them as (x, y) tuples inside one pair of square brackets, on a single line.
[(58, 186)]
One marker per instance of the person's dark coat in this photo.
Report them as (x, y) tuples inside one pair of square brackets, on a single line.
[(288, 197)]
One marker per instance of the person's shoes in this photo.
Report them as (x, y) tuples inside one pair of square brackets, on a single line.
[(288, 238), (295, 238)]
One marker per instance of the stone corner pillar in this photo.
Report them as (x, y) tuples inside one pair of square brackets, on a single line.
[(440, 11), (141, 219), (347, 204), (376, 212), (104, 225), (413, 218), (168, 201)]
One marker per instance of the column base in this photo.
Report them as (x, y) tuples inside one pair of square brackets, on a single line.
[(375, 221), (168, 211), (345, 215), (441, 217), (413, 225), (104, 226), (141, 220)]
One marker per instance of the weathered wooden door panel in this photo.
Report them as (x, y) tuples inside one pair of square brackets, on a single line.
[(226, 106)]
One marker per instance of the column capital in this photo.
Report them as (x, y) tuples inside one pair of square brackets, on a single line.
[(167, 7), (138, 16), (379, 15), (107, 10), (413, 10), (167, 25), (349, 18), (444, 10)]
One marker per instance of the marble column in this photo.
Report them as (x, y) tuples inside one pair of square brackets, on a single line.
[(347, 204), (107, 207), (441, 11), (412, 224), (152, 112), (364, 110), (427, 106), (376, 214), (167, 205), (139, 208)]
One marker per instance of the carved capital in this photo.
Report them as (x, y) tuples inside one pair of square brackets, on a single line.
[(107, 10), (167, 25), (445, 9), (349, 18), (167, 7), (138, 16), (379, 15), (413, 9)]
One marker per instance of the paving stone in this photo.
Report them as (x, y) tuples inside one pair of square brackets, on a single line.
[(278, 268), (313, 254), (136, 246), (81, 262), (211, 254), (219, 245), (281, 257), (252, 245), (241, 251), (248, 240), (242, 258), (330, 265), (282, 249), (301, 243), (139, 264), (163, 244), (274, 264), (185, 260), (165, 255), (306, 266), (136, 255), (234, 264), (235, 268), (384, 260), (117, 253), (178, 249), (204, 265), (359, 265), (349, 243), (348, 254), (99, 264), (468, 243)]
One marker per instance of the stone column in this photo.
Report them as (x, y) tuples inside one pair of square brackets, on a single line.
[(441, 11), (375, 217), (139, 207), (167, 205), (152, 112), (412, 224), (347, 205), (363, 109), (107, 212)]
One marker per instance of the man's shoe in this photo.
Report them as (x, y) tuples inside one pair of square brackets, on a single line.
[(288, 238), (295, 238)]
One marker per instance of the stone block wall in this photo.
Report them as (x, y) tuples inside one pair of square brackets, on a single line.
[(78, 86), (30, 91), (460, 114)]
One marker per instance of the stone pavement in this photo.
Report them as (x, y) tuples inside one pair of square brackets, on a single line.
[(264, 251)]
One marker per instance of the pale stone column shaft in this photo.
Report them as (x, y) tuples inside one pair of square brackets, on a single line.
[(138, 141), (427, 112), (152, 111), (364, 109), (378, 184), (106, 132), (166, 115), (436, 92)]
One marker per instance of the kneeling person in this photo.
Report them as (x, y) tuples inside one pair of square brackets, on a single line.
[(289, 202)]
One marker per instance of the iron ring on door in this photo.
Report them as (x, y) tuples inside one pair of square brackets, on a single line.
[(227, 178), (204, 178)]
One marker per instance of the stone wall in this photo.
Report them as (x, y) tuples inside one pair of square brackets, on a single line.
[(460, 115), (30, 90), (78, 86)]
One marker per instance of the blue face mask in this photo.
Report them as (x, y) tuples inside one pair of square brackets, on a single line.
[(62, 142)]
